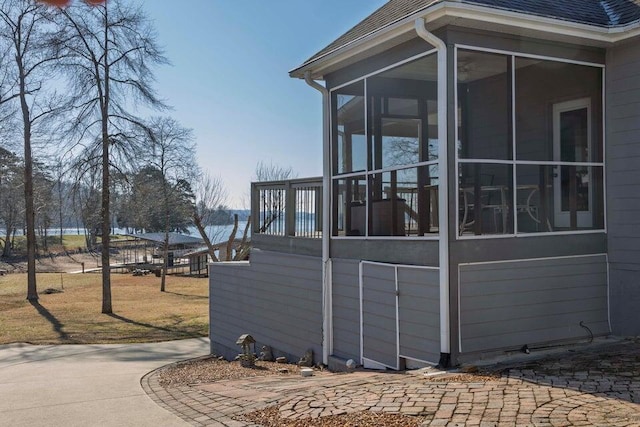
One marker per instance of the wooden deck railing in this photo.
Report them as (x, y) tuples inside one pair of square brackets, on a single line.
[(290, 208)]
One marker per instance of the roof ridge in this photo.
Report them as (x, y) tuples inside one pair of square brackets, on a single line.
[(614, 17)]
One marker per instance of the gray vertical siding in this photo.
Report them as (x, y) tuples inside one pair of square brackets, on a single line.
[(276, 297), (418, 310), (346, 308), (419, 313), (623, 185), (510, 304), (379, 328)]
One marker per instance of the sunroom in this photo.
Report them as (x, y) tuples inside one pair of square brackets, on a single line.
[(522, 261), (528, 147)]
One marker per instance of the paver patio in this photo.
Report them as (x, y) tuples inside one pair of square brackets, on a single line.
[(595, 386)]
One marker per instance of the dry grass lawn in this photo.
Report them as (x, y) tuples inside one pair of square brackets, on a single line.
[(141, 312)]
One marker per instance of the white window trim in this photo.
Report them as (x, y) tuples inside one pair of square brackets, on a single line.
[(515, 162), (367, 173), (382, 70), (559, 108)]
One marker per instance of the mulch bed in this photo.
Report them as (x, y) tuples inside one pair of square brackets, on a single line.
[(210, 369), (270, 417)]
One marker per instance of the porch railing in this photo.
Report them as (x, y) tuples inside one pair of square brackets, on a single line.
[(290, 208)]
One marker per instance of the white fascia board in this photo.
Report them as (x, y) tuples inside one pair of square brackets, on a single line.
[(471, 12), (362, 45)]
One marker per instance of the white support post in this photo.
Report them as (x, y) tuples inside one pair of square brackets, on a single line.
[(443, 210), (327, 277)]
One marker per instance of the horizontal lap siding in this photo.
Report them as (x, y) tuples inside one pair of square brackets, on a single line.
[(419, 302), (623, 186), (510, 304), (276, 298)]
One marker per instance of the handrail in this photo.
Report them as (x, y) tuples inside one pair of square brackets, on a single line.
[(291, 208)]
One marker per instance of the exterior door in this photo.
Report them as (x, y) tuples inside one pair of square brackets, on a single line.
[(379, 316), (400, 314), (572, 187)]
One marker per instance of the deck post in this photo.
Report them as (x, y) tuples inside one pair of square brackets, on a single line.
[(289, 209), (255, 208)]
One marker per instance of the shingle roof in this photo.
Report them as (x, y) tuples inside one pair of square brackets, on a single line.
[(601, 13)]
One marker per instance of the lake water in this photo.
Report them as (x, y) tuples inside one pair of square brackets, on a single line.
[(216, 233)]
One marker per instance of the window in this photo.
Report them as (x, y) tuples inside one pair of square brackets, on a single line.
[(530, 146), (350, 152), (385, 175)]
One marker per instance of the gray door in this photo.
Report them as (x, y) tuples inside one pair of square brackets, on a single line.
[(379, 315), (400, 315), (419, 313)]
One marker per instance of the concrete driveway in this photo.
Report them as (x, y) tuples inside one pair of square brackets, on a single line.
[(86, 385)]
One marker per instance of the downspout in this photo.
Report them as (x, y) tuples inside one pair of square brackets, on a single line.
[(443, 212), (327, 281)]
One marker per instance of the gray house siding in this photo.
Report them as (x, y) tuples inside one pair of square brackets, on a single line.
[(510, 304), (402, 251), (623, 184), (275, 297), (285, 244), (487, 250)]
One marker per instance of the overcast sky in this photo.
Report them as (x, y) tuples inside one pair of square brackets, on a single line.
[(229, 79)]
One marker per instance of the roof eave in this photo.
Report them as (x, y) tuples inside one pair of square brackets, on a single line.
[(604, 35)]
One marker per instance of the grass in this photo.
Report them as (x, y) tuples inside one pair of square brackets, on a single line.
[(141, 312), (54, 245)]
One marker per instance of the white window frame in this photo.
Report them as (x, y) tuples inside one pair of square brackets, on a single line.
[(514, 161), (368, 172), (558, 109)]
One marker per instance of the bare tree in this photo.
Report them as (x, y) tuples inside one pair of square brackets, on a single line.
[(11, 202), (85, 194), (242, 248), (172, 153), (273, 172), (210, 199), (274, 201), (210, 193), (26, 28), (111, 51)]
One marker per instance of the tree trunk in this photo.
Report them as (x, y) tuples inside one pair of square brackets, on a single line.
[(165, 262), (232, 238), (242, 252), (45, 243), (60, 206), (203, 233), (165, 246), (32, 290), (106, 228), (6, 251), (106, 214)]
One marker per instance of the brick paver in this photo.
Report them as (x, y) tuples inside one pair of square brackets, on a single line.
[(592, 387)]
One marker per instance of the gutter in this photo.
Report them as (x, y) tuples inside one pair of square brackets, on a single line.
[(327, 277), (443, 210)]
